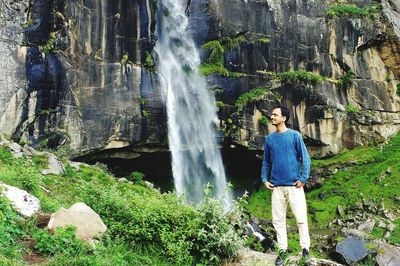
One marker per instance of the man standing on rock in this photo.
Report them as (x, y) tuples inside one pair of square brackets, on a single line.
[(285, 170)]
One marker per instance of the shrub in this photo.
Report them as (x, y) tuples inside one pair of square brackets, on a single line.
[(345, 80), (398, 90), (354, 11), (63, 241), (299, 76), (263, 121), (251, 96)]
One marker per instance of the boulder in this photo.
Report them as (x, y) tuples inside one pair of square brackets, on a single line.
[(16, 150), (87, 222), (367, 227), (24, 203), (389, 255), (352, 250), (55, 166)]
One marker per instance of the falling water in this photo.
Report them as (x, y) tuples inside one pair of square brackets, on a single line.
[(191, 109)]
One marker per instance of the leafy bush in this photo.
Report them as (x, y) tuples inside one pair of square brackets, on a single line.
[(251, 96), (63, 241), (354, 11), (345, 80), (398, 90), (299, 76), (350, 108), (10, 227), (263, 121)]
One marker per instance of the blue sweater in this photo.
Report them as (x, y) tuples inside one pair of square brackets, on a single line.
[(286, 159)]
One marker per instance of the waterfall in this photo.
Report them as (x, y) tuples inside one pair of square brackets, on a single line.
[(191, 109)]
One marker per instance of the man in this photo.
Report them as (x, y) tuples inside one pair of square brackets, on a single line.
[(285, 170)]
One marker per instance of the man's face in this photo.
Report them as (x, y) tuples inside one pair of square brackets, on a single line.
[(276, 117)]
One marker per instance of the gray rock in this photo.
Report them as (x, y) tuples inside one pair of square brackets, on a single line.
[(382, 224), (386, 235), (88, 223), (355, 233), (390, 255), (29, 151), (122, 179), (390, 227), (55, 167), (26, 204), (352, 250), (16, 150), (367, 227), (341, 211)]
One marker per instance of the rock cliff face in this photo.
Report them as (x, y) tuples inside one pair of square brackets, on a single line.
[(79, 73), (331, 113), (87, 83)]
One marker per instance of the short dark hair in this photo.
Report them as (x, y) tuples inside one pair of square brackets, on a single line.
[(284, 111)]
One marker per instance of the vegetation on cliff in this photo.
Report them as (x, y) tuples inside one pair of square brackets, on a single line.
[(145, 227)]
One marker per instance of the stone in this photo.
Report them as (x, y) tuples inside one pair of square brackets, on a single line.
[(389, 255), (355, 233), (381, 224), (148, 184), (123, 179), (341, 211), (16, 150), (352, 250), (23, 202), (29, 151), (390, 227), (75, 165), (55, 166), (367, 227), (386, 235), (88, 223)]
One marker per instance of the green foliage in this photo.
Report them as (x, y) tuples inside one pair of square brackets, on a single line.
[(299, 76), (148, 61), (124, 59), (49, 46), (350, 108), (263, 121), (26, 24), (63, 241), (234, 42), (220, 104), (398, 90), (215, 62), (10, 227), (345, 80), (395, 235), (353, 11), (264, 40), (137, 177), (251, 96)]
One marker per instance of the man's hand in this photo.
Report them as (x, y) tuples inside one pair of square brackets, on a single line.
[(299, 184), (269, 185)]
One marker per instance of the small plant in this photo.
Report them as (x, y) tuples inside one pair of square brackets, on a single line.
[(137, 177), (49, 46), (345, 80), (353, 11), (145, 113), (264, 40), (219, 104), (124, 59), (299, 76), (27, 23), (263, 121), (62, 241), (251, 96), (148, 61), (350, 108)]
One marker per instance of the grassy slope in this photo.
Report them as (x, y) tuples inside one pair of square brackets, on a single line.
[(145, 227), (360, 179)]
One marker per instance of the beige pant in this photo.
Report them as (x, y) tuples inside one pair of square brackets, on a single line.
[(297, 201)]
